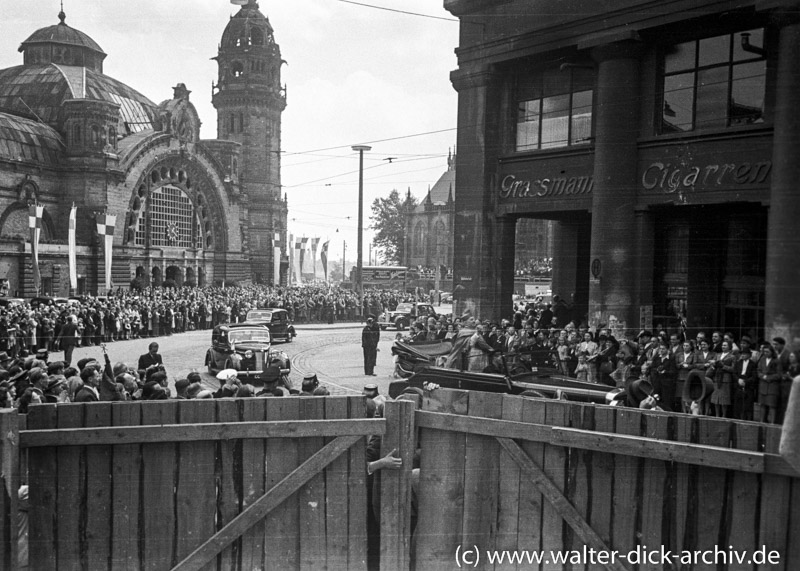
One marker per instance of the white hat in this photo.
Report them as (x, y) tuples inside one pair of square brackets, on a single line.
[(226, 374)]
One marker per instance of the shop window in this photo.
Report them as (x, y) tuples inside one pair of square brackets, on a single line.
[(714, 83), (554, 109)]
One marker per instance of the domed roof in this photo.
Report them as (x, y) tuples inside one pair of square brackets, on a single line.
[(248, 27), (61, 33), (38, 92), (25, 140)]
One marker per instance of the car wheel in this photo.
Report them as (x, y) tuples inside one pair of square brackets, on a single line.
[(209, 364), (288, 338)]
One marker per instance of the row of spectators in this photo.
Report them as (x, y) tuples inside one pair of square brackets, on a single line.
[(152, 312), (538, 267)]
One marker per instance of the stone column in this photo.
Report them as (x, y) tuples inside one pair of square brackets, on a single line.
[(483, 245), (782, 310), (613, 248)]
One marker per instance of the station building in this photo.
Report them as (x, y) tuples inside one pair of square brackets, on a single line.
[(188, 210), (662, 138)]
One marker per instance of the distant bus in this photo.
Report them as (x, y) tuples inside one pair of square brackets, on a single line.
[(386, 277)]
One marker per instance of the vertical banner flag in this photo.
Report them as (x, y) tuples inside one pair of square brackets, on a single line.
[(290, 252), (73, 265), (277, 244), (323, 255), (105, 228), (314, 244), (35, 212), (303, 248), (298, 260)]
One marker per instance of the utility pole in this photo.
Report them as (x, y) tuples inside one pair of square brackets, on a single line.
[(360, 246)]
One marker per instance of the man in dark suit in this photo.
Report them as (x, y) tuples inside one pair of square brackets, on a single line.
[(746, 382), (370, 336), (663, 374), (91, 375), (150, 358), (68, 338)]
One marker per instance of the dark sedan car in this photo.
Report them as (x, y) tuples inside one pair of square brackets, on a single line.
[(246, 347), (276, 320)]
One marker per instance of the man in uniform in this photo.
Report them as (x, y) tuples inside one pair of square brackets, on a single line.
[(370, 336)]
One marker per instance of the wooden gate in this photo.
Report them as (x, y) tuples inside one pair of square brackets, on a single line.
[(501, 473), (211, 484)]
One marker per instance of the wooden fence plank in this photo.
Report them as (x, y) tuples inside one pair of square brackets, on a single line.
[(194, 432), (481, 477), (229, 456), (711, 490), (554, 468), (441, 486), (312, 495), (508, 500), (627, 485), (357, 497), (743, 497), (581, 416), (98, 491), (9, 488), (531, 501), (657, 497), (42, 477), (253, 478), (395, 485), (775, 495), (298, 478), (601, 480), (555, 497), (69, 488), (337, 489), (195, 486), (283, 550), (125, 489), (685, 489), (158, 503), (792, 556)]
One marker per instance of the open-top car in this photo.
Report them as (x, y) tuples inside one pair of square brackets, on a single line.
[(404, 314), (245, 347), (276, 320)]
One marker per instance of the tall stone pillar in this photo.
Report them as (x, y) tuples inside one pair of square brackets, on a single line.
[(483, 244), (782, 310), (613, 248)]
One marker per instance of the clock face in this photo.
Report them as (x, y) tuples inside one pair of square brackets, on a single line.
[(172, 233)]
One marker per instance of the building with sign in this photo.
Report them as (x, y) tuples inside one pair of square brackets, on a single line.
[(663, 143), (187, 210)]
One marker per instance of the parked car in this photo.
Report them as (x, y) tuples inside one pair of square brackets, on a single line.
[(404, 314), (7, 302), (276, 320), (42, 300), (549, 386), (245, 347), (447, 297)]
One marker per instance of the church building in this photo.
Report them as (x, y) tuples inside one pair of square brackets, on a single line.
[(188, 211)]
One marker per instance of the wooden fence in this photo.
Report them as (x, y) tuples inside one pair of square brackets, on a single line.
[(280, 484)]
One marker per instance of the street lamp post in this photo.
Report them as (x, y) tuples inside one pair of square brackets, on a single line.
[(359, 246)]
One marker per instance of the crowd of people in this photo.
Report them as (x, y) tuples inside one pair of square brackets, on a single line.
[(712, 374)]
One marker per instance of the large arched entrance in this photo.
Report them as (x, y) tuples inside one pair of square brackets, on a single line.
[(157, 280), (201, 277), (190, 280), (175, 274)]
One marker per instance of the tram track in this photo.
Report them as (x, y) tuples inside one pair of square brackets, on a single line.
[(301, 365)]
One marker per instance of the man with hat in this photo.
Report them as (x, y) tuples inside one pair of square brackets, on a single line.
[(745, 388), (370, 336), (5, 360), (371, 392), (68, 338), (310, 382)]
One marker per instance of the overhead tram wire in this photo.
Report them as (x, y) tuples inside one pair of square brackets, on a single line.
[(400, 11), (371, 142), (381, 164)]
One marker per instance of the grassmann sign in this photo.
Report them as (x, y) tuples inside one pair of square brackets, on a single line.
[(513, 187)]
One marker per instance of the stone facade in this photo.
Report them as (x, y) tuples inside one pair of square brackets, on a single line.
[(188, 210)]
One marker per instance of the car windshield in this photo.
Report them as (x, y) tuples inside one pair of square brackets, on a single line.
[(245, 335), (259, 315)]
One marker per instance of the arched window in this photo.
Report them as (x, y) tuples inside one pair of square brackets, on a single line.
[(419, 239), (440, 232), (173, 221), (237, 69), (77, 140), (112, 136), (241, 122), (256, 37), (96, 138), (232, 124)]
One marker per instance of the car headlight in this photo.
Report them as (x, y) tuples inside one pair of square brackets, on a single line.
[(248, 354)]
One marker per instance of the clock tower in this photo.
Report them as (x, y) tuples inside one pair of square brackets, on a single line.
[(249, 100)]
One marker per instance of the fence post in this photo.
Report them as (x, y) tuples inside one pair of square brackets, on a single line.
[(9, 487), (395, 487)]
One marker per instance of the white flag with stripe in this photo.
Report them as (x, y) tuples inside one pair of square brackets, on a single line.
[(105, 227), (73, 265)]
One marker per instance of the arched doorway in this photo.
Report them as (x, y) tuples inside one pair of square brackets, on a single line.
[(157, 277), (190, 277), (175, 274)]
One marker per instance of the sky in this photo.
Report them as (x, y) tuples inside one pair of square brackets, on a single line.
[(354, 75)]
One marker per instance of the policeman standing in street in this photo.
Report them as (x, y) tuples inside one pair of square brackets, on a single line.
[(370, 336)]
